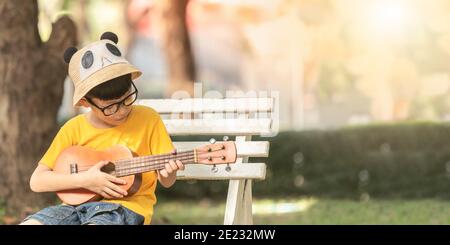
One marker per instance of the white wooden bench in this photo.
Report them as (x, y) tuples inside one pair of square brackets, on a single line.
[(240, 117)]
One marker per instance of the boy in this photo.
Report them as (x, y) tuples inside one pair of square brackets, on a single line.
[(103, 82)]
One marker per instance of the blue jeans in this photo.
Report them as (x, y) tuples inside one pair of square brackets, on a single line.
[(98, 213)]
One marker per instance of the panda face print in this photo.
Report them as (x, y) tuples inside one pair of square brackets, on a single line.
[(87, 60), (101, 54), (113, 49)]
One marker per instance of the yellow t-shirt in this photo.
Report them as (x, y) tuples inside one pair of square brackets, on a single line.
[(143, 133)]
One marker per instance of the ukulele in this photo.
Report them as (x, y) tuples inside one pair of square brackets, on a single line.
[(125, 165)]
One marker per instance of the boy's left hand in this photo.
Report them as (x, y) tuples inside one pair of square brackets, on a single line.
[(171, 168)]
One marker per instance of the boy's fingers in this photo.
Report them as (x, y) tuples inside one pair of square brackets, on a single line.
[(180, 165), (168, 168), (106, 195), (117, 189), (163, 173), (173, 165), (115, 179), (112, 193)]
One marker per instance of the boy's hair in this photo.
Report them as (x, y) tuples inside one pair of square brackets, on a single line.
[(112, 89)]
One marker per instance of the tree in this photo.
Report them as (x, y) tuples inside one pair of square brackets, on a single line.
[(176, 44), (31, 89)]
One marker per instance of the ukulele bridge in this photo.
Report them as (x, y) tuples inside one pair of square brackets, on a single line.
[(73, 168)]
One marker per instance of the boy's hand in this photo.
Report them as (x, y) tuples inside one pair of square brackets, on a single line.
[(171, 168), (102, 183)]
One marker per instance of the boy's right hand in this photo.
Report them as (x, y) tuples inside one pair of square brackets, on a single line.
[(102, 183)]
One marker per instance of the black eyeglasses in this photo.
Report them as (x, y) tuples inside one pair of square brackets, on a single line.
[(113, 108)]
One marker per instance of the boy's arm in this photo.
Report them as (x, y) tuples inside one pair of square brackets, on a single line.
[(161, 143), (168, 175), (44, 179)]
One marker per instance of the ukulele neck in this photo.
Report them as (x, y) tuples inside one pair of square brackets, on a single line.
[(150, 163)]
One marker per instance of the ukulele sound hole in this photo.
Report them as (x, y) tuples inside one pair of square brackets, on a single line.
[(109, 168)]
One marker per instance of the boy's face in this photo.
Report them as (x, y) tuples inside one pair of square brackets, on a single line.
[(116, 118)]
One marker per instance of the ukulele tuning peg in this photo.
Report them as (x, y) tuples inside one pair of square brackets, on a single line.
[(225, 138), (212, 141), (214, 169), (228, 168)]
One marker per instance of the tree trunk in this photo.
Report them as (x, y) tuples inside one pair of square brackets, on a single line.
[(176, 44), (31, 89)]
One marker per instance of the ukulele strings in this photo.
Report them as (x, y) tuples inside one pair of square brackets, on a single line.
[(133, 166), (121, 161), (125, 164)]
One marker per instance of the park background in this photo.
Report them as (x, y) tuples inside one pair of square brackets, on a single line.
[(363, 98)]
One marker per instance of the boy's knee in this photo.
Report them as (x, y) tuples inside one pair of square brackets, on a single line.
[(31, 222)]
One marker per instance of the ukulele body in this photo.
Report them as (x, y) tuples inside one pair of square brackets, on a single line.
[(76, 159)]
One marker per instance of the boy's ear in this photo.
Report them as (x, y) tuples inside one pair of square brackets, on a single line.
[(83, 102)]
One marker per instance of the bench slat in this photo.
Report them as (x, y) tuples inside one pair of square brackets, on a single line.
[(238, 171), (250, 149), (218, 126), (209, 105)]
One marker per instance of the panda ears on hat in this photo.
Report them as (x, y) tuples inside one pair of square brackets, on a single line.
[(72, 50), (110, 36), (69, 53)]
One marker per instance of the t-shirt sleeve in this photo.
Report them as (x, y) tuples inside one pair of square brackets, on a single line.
[(160, 142), (61, 141)]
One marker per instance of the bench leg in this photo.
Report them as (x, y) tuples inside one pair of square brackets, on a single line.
[(238, 209)]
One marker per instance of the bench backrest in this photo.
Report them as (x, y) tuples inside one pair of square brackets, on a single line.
[(239, 117)]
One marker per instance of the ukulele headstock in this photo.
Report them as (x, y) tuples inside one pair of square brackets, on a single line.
[(220, 152)]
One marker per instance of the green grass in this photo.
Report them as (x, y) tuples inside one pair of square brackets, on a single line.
[(310, 211), (2, 212)]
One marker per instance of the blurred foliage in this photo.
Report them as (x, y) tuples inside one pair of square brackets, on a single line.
[(392, 53), (334, 80), (408, 160)]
